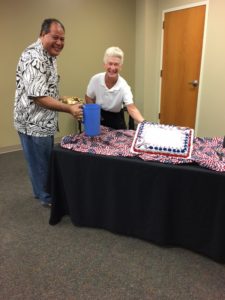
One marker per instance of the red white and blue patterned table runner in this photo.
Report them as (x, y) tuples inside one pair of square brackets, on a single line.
[(207, 152)]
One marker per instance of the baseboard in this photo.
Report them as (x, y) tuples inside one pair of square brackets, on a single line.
[(19, 148), (10, 149)]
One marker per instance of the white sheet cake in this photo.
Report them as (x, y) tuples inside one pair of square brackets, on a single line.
[(162, 139)]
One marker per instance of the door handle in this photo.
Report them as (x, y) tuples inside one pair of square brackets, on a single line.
[(194, 83)]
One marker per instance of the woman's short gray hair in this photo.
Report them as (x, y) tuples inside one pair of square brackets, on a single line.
[(113, 52)]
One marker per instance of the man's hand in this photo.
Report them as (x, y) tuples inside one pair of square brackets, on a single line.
[(76, 111)]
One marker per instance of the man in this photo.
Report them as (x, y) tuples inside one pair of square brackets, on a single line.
[(36, 103), (112, 92)]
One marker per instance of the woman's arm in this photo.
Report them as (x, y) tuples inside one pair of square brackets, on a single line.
[(89, 99), (135, 113)]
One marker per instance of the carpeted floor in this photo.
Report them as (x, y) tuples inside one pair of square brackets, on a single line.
[(39, 261)]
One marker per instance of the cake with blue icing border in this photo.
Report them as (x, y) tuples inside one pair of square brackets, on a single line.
[(154, 138)]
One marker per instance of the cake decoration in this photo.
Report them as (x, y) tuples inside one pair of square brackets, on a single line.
[(163, 139)]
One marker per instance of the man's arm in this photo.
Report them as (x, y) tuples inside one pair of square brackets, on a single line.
[(50, 103)]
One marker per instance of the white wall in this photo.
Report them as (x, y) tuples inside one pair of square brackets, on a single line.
[(91, 27), (145, 55), (140, 38), (212, 106), (211, 102)]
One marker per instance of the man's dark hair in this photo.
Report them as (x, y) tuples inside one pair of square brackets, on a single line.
[(45, 27)]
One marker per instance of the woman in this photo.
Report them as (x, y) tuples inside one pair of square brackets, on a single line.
[(112, 93)]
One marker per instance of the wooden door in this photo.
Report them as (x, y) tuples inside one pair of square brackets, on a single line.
[(182, 49)]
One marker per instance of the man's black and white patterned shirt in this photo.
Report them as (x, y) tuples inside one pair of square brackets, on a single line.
[(36, 76)]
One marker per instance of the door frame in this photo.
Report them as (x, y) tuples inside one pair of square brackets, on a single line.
[(190, 5)]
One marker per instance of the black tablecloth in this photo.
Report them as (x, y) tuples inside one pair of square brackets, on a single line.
[(170, 205)]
